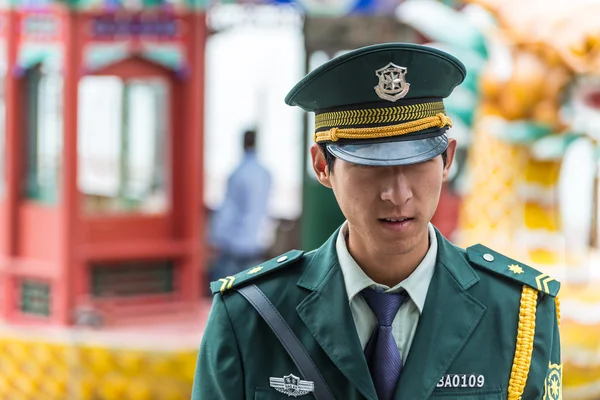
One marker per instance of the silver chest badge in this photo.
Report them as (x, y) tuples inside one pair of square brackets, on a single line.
[(392, 83), (292, 385)]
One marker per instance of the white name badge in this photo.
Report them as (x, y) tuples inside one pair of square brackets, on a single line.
[(461, 381)]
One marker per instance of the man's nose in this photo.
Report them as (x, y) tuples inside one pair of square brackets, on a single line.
[(397, 188)]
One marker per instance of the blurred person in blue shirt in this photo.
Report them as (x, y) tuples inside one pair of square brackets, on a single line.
[(235, 234)]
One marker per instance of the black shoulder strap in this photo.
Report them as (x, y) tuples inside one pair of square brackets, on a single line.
[(288, 339)]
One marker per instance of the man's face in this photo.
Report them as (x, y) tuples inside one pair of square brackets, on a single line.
[(387, 208)]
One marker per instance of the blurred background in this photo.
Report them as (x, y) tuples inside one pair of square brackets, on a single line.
[(146, 149)]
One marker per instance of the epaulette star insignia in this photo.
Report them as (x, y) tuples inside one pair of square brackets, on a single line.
[(254, 270), (516, 268)]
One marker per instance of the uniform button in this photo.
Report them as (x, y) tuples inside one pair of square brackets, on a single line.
[(282, 259), (488, 257)]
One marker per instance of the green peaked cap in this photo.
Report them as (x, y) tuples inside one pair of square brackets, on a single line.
[(350, 79), (382, 104)]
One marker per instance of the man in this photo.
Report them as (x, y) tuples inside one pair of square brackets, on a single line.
[(235, 235), (387, 308)]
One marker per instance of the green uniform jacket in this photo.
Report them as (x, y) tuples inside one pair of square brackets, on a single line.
[(479, 305)]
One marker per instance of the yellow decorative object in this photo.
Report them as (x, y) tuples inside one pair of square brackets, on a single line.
[(543, 256), (540, 216), (38, 368), (334, 134), (516, 269), (524, 347)]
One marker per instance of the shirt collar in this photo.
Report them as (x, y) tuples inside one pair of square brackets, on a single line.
[(249, 153), (416, 285)]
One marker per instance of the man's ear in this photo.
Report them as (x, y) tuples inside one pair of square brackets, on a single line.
[(320, 165), (450, 152)]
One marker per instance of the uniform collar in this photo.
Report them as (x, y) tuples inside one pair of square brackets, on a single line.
[(416, 285)]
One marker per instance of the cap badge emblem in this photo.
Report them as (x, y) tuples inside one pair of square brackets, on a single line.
[(392, 83)]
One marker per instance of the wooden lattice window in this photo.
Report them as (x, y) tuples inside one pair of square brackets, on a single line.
[(132, 278), (43, 134), (35, 298)]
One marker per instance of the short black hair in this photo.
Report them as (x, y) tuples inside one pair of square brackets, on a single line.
[(249, 139), (330, 158)]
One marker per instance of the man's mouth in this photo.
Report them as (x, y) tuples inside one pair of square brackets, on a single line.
[(396, 224)]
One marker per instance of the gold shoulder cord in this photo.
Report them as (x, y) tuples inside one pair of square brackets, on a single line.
[(524, 349), (557, 303)]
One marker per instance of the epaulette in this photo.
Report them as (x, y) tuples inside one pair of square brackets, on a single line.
[(499, 264), (229, 282)]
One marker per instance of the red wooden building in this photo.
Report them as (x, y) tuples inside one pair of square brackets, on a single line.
[(101, 185)]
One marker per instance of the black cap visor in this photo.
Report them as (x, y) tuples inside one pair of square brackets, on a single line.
[(391, 152)]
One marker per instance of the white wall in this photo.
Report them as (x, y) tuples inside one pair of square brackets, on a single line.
[(249, 70)]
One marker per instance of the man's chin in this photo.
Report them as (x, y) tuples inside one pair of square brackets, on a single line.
[(401, 245)]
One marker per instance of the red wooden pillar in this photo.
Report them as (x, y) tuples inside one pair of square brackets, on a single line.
[(69, 207), (13, 161), (193, 154), (198, 45), (198, 131)]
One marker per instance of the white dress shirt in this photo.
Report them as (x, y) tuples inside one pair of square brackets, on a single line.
[(416, 286)]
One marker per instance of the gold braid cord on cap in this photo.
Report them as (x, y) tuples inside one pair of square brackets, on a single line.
[(524, 348), (334, 134), (372, 116)]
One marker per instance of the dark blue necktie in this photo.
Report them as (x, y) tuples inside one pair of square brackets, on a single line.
[(383, 356)]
